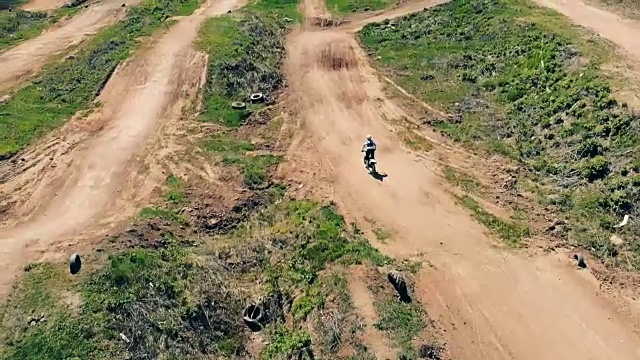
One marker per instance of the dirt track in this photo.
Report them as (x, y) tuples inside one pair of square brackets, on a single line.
[(622, 32), (493, 304), (25, 59), (78, 193)]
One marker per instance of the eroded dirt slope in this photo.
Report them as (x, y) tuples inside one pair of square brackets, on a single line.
[(493, 304)]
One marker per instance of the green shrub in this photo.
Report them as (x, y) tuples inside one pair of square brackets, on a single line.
[(596, 168)]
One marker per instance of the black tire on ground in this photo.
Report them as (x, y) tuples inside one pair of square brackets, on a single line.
[(74, 264), (253, 316), (580, 258), (400, 285)]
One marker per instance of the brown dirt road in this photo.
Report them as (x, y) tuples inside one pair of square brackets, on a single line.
[(85, 186), (25, 59), (493, 304), (43, 5)]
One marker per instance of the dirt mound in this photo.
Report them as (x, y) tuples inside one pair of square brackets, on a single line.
[(338, 56), (325, 22)]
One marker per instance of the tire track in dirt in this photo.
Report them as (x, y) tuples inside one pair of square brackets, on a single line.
[(25, 59), (493, 304), (140, 96)]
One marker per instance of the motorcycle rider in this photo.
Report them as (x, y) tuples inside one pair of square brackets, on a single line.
[(369, 149)]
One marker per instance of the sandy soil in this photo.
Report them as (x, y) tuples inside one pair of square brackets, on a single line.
[(85, 185), (493, 304), (43, 5), (25, 59)]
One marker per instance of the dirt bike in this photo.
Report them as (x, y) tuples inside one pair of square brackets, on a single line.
[(371, 165)]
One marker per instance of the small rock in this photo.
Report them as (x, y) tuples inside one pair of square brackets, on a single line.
[(616, 240), (5, 99)]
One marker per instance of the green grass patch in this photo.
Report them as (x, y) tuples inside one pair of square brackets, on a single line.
[(68, 86), (175, 187), (402, 322), (279, 8), (463, 181), (528, 85), (286, 343), (254, 168), (159, 299), (174, 200), (169, 215), (346, 6), (18, 25), (513, 233)]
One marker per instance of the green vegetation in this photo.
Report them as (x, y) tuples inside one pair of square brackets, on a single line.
[(175, 186), (174, 200), (70, 85), (528, 85), (17, 25), (183, 303), (345, 6), (148, 296), (462, 180), (403, 322), (245, 55), (254, 168), (513, 233), (246, 52), (285, 343), (277, 8)]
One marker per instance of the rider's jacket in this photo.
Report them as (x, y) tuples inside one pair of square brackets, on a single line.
[(369, 145)]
